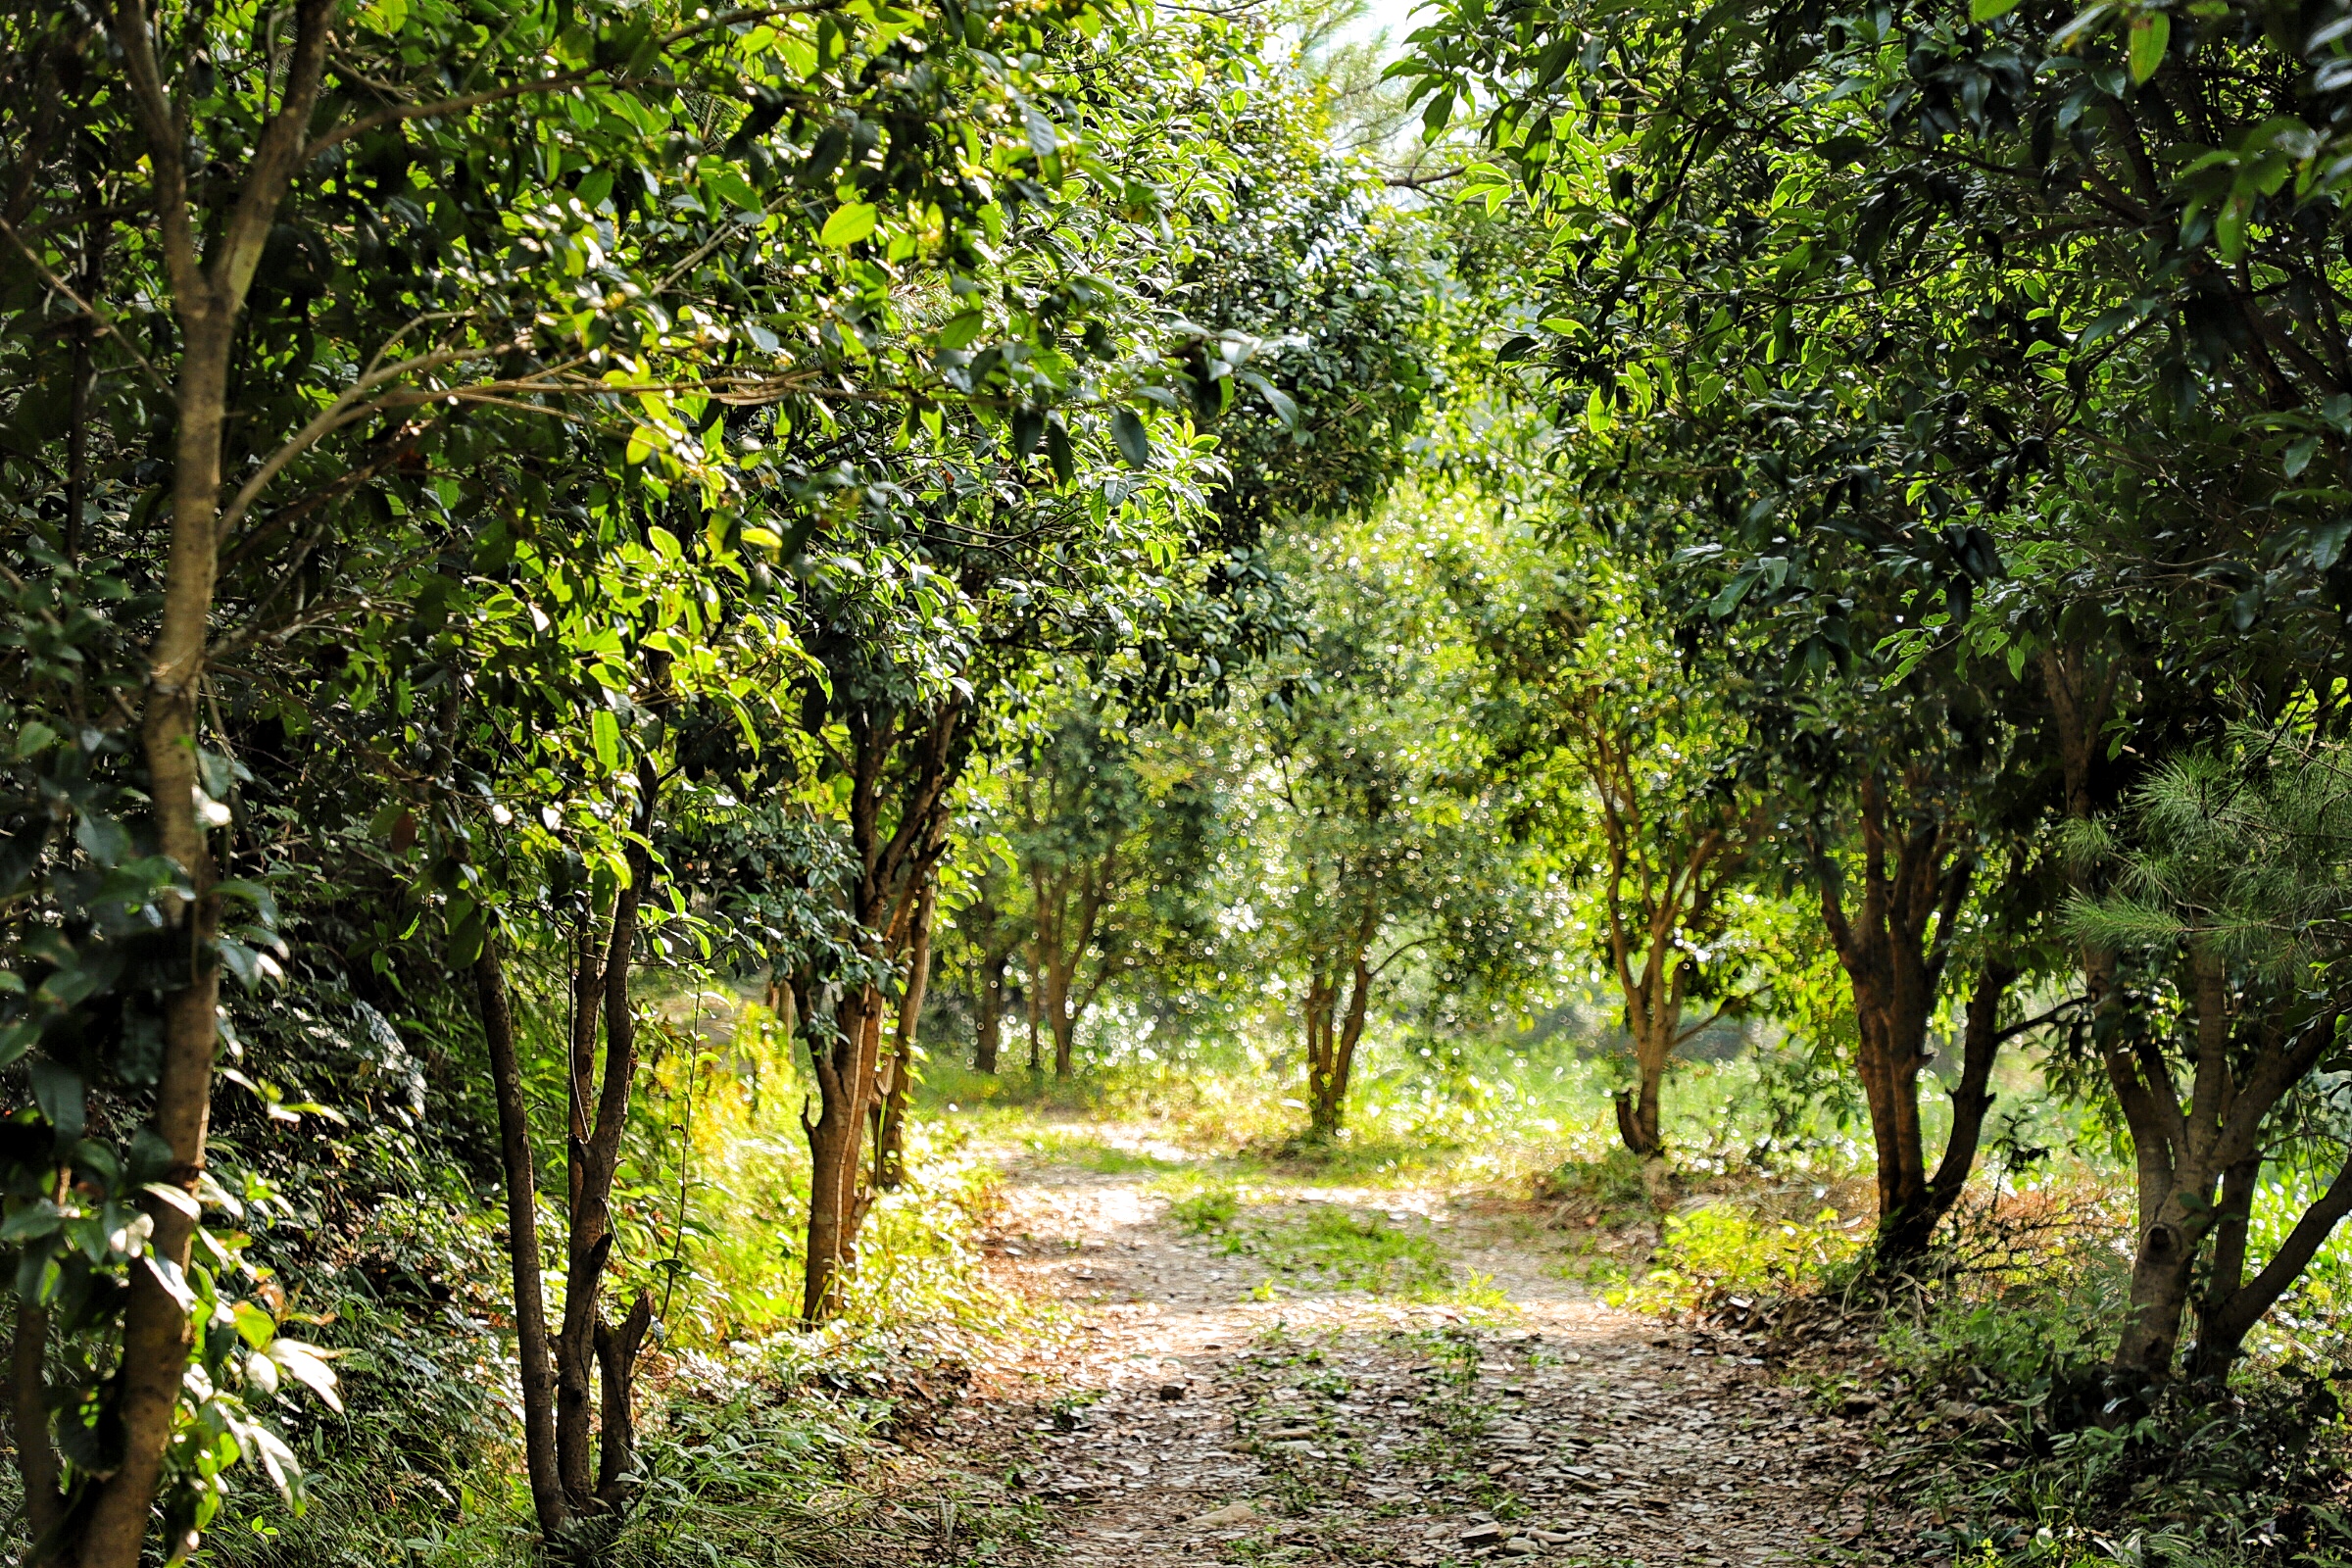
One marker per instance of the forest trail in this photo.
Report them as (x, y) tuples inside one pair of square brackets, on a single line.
[(1195, 1414)]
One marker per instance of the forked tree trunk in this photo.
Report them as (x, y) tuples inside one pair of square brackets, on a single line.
[(595, 1364), (1332, 1036), (894, 859), (1893, 945), (2233, 1304)]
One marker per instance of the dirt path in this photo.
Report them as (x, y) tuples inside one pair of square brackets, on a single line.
[(1197, 1413)]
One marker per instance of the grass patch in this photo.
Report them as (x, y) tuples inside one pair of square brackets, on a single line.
[(1066, 1147), (1207, 1212), (1330, 1246)]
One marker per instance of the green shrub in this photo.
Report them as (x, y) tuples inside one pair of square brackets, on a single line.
[(1712, 1253)]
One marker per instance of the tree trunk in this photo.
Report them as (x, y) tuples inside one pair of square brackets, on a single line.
[(1972, 1095), (1352, 1032), (94, 232), (1324, 1109), (592, 1162), (29, 1428), (617, 1370), (155, 1335), (844, 1071), (2226, 1271), (1639, 1109), (1893, 948), (1037, 1059), (988, 1027), (2185, 1172), (210, 271), (522, 1242), (2160, 1276), (895, 859), (889, 1133), (2223, 1325)]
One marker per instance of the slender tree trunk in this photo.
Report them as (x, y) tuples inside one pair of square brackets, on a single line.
[(94, 231), (890, 1140), (156, 1334), (617, 1372), (2226, 1271), (1972, 1095), (538, 1371), (1343, 1049), (1035, 999), (988, 1028), (29, 1424), (2224, 1324)]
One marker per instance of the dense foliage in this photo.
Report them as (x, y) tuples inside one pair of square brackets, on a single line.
[(939, 517)]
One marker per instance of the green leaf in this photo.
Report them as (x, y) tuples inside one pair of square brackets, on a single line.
[(2328, 543), (1989, 10), (962, 330), (737, 191), (255, 1327), (309, 1367), (1134, 442), (2150, 32), (1276, 398), (604, 731), (851, 223)]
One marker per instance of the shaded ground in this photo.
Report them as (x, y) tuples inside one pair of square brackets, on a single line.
[(1433, 1390)]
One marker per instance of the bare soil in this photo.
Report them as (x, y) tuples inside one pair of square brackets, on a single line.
[(1192, 1411)]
